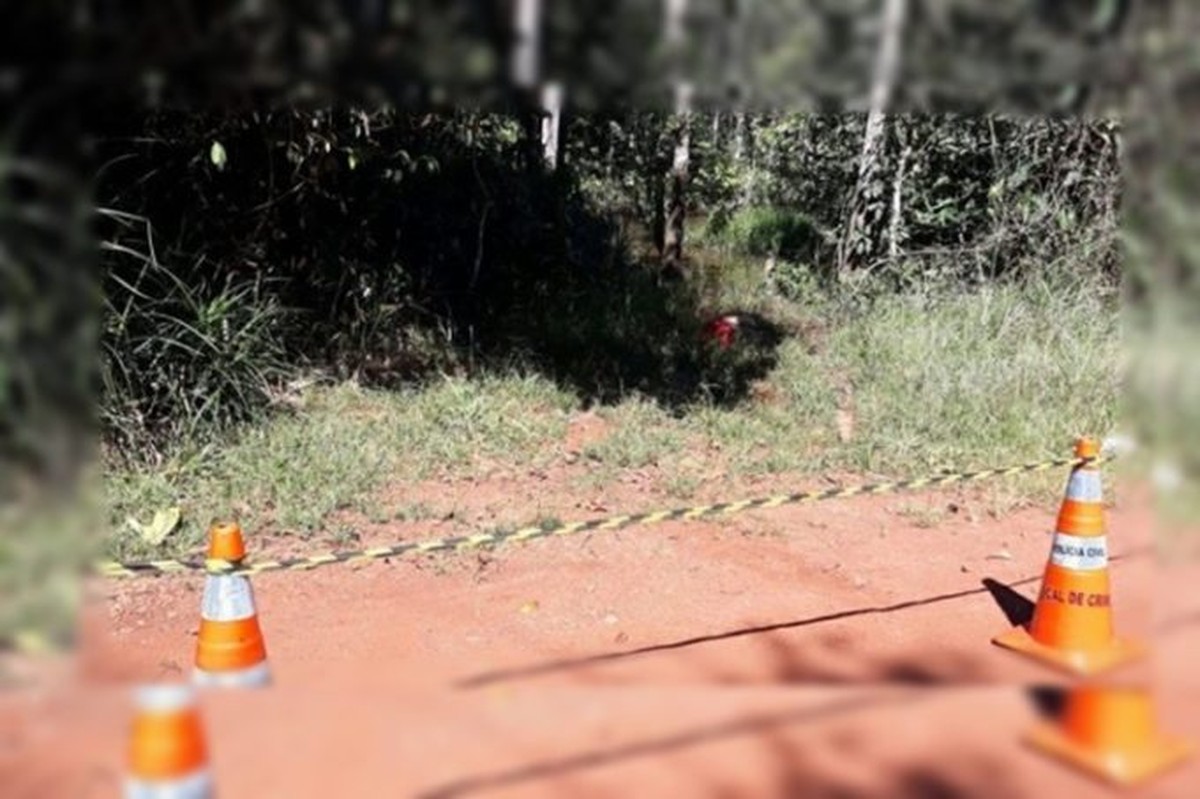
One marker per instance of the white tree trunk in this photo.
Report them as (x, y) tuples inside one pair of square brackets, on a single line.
[(735, 21), (896, 225), (552, 104), (886, 69), (676, 212), (527, 75)]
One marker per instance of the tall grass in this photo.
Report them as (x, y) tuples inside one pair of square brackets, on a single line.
[(1002, 372), (181, 358), (905, 384)]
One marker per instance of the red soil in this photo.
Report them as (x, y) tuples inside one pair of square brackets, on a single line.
[(829, 651)]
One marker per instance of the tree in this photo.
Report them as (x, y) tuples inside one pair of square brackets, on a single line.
[(865, 203), (544, 120), (676, 210)]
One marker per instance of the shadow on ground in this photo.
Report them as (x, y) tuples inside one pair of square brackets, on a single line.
[(794, 771), (792, 665)]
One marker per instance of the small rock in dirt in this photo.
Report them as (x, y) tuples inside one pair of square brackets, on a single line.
[(859, 582), (530, 607), (964, 568), (611, 619), (1003, 554), (620, 638)]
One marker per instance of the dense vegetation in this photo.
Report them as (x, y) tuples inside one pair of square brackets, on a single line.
[(242, 251)]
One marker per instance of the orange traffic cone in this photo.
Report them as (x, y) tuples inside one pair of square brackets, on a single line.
[(1072, 627), (1111, 732), (167, 756), (230, 650)]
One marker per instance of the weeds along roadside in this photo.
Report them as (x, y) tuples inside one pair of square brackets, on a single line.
[(923, 380)]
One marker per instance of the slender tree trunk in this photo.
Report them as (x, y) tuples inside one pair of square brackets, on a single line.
[(739, 137), (552, 106), (611, 152), (545, 102), (526, 72), (871, 156), (676, 212), (677, 199), (748, 155), (896, 225), (658, 200), (735, 43)]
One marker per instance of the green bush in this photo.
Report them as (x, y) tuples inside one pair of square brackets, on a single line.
[(771, 231)]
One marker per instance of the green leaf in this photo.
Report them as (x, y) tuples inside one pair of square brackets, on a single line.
[(216, 154)]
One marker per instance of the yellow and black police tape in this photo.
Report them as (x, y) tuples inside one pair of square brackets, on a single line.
[(489, 539)]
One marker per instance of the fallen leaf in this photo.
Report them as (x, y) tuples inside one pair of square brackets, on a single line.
[(530, 607), (164, 523)]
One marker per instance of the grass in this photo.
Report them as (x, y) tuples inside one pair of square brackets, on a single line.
[(933, 380), (292, 472), (644, 435), (1006, 373)]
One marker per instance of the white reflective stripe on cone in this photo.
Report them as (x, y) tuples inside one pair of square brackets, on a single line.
[(196, 786), (227, 597), (1080, 553), (1085, 486), (253, 677), (167, 698)]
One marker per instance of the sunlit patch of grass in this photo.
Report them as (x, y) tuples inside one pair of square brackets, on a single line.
[(292, 472)]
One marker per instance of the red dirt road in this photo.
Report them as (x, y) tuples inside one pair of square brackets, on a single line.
[(828, 651)]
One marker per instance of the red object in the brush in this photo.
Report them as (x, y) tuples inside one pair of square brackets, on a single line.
[(722, 330)]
